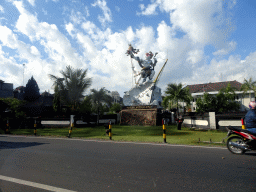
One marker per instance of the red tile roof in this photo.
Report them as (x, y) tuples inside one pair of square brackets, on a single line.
[(211, 87)]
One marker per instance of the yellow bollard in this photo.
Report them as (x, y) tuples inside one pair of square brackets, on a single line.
[(35, 128), (7, 126), (164, 130), (110, 133), (72, 123)]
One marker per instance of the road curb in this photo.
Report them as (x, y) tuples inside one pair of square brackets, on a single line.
[(113, 141)]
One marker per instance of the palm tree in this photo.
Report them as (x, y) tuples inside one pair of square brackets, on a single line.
[(57, 89), (247, 86), (98, 98), (72, 86), (174, 93)]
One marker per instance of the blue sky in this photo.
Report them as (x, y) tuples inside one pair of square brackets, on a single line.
[(204, 40)]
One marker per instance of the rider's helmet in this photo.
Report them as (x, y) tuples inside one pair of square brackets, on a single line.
[(252, 105)]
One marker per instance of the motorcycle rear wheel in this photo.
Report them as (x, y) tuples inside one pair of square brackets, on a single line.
[(233, 149)]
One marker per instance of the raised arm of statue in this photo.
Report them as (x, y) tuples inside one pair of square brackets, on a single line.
[(139, 61)]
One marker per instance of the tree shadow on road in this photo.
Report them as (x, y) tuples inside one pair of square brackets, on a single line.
[(13, 145)]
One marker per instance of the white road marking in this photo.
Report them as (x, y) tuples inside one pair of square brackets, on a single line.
[(33, 184), (124, 142)]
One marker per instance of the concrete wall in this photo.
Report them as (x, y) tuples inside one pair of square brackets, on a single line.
[(213, 121), (197, 121)]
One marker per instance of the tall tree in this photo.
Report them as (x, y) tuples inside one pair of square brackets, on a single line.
[(116, 107), (99, 98), (57, 89), (206, 104), (31, 90), (56, 100), (72, 86), (223, 102), (249, 85), (175, 93)]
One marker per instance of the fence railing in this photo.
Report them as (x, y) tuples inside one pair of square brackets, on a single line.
[(41, 122)]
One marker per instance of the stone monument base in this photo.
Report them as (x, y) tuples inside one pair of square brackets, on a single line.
[(140, 115)]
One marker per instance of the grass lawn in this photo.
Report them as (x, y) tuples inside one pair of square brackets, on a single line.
[(133, 133)]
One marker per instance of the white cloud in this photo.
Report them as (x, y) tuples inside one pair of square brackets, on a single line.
[(87, 11), (44, 11), (142, 7), (107, 15), (32, 2), (70, 28), (117, 8), (225, 70), (89, 27), (203, 21), (26, 23), (34, 51), (1, 9), (76, 17), (57, 47), (166, 35), (150, 10), (231, 46), (12, 70), (103, 51), (146, 38), (98, 36), (87, 43), (130, 35), (8, 38), (195, 56), (48, 35)]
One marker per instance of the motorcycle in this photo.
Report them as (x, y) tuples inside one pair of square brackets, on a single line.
[(240, 140)]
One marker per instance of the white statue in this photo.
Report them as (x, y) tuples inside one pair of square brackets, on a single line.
[(147, 65), (145, 93)]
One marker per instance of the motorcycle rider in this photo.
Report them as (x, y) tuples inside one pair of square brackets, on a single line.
[(250, 118)]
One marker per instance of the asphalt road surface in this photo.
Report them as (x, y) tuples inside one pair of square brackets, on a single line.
[(55, 164)]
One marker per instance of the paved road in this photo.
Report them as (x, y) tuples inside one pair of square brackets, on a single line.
[(84, 165)]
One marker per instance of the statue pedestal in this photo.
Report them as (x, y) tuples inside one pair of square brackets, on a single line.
[(139, 115), (146, 94)]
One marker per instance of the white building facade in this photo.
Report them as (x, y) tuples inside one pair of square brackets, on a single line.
[(213, 89)]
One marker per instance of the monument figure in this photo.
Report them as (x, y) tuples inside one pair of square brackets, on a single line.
[(146, 92)]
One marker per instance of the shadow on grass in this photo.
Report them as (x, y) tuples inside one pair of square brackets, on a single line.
[(13, 145), (149, 131), (100, 131)]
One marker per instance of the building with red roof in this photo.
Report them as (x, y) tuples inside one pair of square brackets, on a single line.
[(197, 90)]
